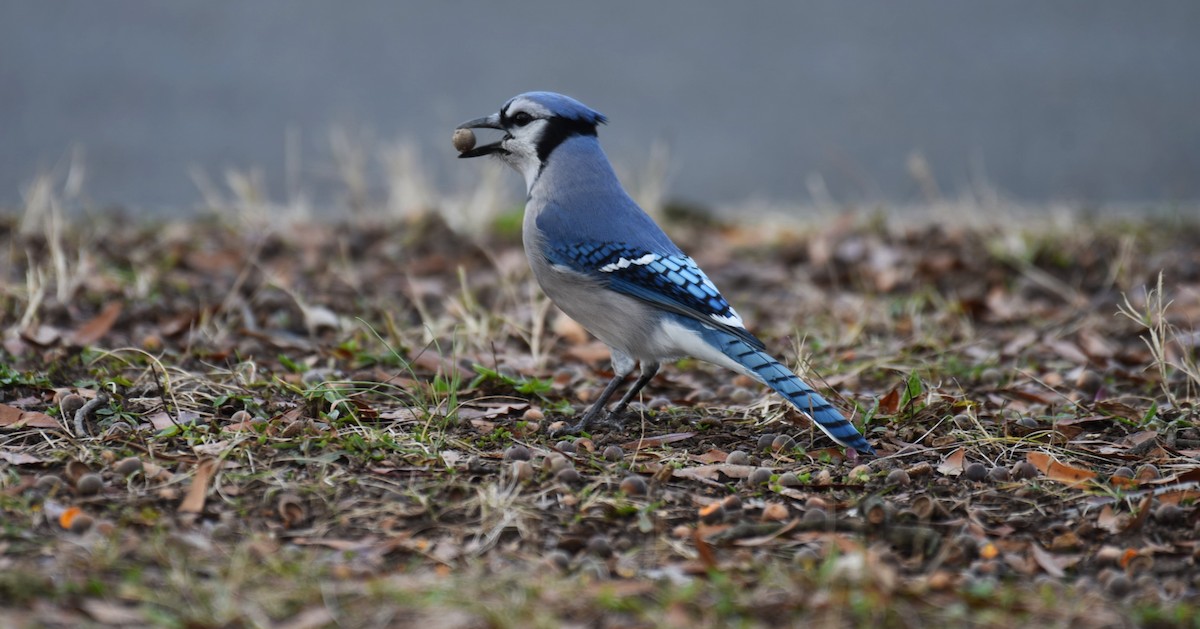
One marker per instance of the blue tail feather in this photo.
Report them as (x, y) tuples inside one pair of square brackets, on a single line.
[(796, 391)]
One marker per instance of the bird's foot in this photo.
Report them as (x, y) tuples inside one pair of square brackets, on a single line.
[(591, 421)]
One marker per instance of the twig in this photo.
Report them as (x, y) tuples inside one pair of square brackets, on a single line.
[(90, 407)]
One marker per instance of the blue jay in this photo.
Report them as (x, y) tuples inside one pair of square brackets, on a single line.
[(606, 264)]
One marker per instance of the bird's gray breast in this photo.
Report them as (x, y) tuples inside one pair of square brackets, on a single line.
[(619, 321)]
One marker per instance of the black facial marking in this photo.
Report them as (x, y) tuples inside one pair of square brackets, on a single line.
[(557, 131)]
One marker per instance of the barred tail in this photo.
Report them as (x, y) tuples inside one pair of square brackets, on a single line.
[(761, 366)]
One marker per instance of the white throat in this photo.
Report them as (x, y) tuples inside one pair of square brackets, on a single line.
[(529, 169)]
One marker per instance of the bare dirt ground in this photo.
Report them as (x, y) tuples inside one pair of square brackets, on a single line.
[(221, 424)]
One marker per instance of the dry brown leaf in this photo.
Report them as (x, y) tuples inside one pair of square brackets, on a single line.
[(114, 614), (712, 456), (1090, 422), (953, 465), (1110, 520), (1189, 476), (178, 323), (1095, 345), (97, 327), (704, 550), (1143, 512), (193, 502), (450, 458), (13, 417), (651, 442), (1060, 472), (15, 457), (288, 416), (713, 472), (890, 404), (1178, 497), (42, 335), (1123, 482), (400, 415), (342, 545), (833, 454), (1002, 304), (482, 425), (1052, 564), (1068, 351), (1019, 343), (163, 420), (490, 410), (1119, 409)]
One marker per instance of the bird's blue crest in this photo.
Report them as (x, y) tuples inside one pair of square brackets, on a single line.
[(564, 106)]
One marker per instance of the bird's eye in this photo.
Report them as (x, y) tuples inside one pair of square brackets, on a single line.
[(522, 118)]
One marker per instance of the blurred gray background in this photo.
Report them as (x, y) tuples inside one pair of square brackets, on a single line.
[(1090, 101)]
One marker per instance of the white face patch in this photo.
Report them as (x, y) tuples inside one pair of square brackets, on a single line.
[(521, 150), (523, 141), (625, 263)]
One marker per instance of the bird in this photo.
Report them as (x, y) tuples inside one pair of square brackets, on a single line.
[(606, 264)]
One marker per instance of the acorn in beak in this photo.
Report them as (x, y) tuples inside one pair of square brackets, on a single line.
[(464, 138)]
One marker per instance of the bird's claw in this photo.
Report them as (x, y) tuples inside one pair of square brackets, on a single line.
[(591, 421)]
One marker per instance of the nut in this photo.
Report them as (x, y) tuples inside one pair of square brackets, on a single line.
[(568, 476), (128, 467), (1023, 470), (999, 474), (782, 443), (517, 452), (598, 545), (71, 403), (463, 139), (774, 512), (89, 484), (898, 477), (633, 486), (738, 457), (81, 523), (522, 471), (975, 471), (49, 482), (554, 462), (860, 474), (760, 476)]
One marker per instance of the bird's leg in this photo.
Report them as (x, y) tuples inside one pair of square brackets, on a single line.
[(622, 366), (597, 408), (648, 372)]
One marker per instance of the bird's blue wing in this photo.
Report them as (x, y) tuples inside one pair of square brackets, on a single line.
[(671, 281)]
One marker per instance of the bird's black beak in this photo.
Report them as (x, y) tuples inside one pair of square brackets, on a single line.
[(487, 122)]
